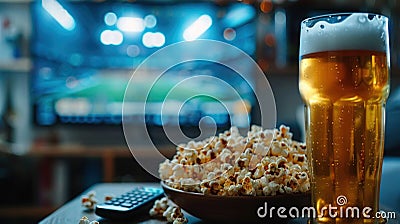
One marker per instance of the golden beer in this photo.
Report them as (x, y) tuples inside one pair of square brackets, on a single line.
[(345, 92)]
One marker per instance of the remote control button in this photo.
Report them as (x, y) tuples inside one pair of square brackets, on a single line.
[(128, 205), (108, 202), (116, 203)]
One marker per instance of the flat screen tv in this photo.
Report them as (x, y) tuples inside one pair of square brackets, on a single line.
[(84, 53)]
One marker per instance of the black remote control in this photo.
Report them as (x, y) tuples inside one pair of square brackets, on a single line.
[(130, 204)]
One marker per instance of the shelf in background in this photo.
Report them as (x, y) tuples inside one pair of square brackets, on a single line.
[(21, 65)]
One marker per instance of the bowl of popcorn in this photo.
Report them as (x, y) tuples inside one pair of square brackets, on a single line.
[(231, 177)]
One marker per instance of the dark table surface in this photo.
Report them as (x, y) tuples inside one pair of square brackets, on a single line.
[(72, 211)]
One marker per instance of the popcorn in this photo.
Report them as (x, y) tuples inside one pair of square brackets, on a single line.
[(242, 163), (89, 201), (261, 149), (180, 220), (164, 208), (214, 187), (174, 214), (159, 207), (108, 197), (279, 149), (265, 162), (167, 214), (247, 186), (295, 168), (259, 171), (302, 176), (299, 158), (273, 187), (85, 220)]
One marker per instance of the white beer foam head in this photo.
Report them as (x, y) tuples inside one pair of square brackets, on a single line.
[(356, 31)]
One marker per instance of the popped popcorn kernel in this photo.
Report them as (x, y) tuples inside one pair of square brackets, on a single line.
[(108, 197), (89, 201), (180, 220), (167, 214), (164, 208), (84, 220), (247, 186), (159, 207)]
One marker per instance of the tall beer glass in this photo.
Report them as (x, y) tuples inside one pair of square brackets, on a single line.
[(344, 82)]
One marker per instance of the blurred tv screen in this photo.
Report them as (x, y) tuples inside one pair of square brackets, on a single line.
[(85, 53)]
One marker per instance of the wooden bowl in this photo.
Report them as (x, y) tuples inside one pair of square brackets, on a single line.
[(237, 208)]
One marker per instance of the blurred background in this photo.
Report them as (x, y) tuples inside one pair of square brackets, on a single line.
[(64, 67)]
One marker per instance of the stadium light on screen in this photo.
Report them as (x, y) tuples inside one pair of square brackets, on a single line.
[(59, 13)]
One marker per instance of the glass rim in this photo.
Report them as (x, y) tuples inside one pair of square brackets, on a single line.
[(312, 18)]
